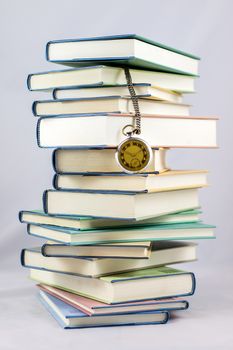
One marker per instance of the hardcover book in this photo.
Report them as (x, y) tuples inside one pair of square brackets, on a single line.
[(135, 250), (108, 76), (100, 160), (38, 217), (119, 205), (94, 307), (134, 234), (142, 90), (162, 254), (159, 282), (123, 50), (103, 105), (69, 317), (106, 131), (169, 180)]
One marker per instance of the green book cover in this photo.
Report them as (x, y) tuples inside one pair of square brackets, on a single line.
[(179, 226), (145, 273), (95, 236)]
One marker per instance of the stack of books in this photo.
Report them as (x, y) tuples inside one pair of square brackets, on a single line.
[(110, 234)]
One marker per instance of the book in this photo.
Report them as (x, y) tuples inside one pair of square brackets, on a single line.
[(176, 179), (94, 307), (158, 282), (119, 205), (102, 160), (106, 131), (69, 317), (89, 223), (102, 105), (135, 250), (163, 253), (108, 76), (187, 231), (123, 50), (143, 90)]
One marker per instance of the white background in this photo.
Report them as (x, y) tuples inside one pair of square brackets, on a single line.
[(203, 28)]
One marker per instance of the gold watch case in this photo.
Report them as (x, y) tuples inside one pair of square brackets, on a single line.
[(133, 155)]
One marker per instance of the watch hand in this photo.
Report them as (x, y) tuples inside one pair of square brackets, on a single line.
[(138, 152), (129, 153), (134, 154)]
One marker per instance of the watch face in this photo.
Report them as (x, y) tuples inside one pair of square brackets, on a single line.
[(133, 155)]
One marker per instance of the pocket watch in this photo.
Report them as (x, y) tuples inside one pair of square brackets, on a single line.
[(133, 154)]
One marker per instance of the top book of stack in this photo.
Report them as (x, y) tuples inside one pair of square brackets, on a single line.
[(125, 50)]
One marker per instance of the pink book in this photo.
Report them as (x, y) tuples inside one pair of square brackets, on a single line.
[(94, 307)]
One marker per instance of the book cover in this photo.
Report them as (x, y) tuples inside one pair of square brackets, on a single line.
[(69, 317), (91, 306), (131, 61)]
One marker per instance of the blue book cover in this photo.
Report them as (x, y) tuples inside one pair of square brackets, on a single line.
[(69, 317)]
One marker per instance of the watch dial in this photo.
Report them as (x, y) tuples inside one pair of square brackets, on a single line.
[(134, 155)]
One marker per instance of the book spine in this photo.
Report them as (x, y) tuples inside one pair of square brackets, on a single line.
[(166, 318), (38, 132), (45, 201), (22, 257), (29, 82), (34, 107), (54, 94), (43, 250), (186, 305), (47, 51), (20, 216), (54, 160), (55, 182), (193, 283)]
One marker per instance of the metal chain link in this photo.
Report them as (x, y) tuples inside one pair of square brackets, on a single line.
[(134, 98)]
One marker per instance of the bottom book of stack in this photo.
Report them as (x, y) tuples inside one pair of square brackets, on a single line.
[(70, 317)]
